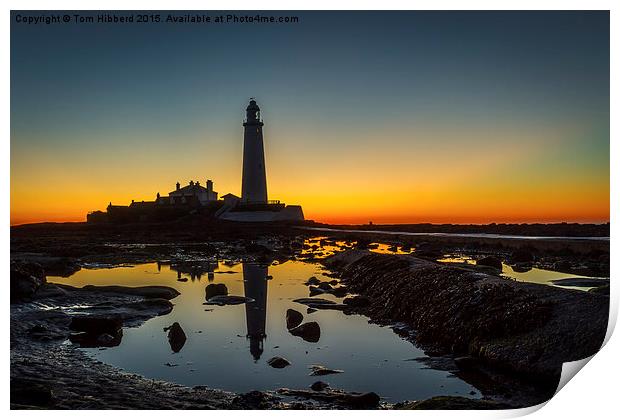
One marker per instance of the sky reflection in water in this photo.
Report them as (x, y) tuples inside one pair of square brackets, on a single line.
[(228, 347)]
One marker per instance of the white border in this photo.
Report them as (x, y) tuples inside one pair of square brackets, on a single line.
[(592, 395)]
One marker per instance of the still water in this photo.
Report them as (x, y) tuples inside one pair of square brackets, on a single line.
[(527, 275), (228, 347)]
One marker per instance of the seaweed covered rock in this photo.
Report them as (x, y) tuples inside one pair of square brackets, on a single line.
[(521, 327)]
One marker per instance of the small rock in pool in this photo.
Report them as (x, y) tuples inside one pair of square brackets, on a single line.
[(319, 386), (218, 289), (176, 337), (278, 362), (313, 281), (228, 300), (490, 261), (309, 331), (318, 370), (293, 318)]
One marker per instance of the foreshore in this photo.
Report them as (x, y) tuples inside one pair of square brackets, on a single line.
[(508, 339)]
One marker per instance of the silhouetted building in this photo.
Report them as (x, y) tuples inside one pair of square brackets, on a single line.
[(252, 206), (193, 191), (194, 269), (255, 287), (191, 199)]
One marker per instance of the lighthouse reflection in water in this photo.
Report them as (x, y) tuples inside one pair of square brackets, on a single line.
[(255, 287)]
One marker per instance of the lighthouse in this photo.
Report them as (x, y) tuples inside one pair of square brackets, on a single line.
[(253, 205), (254, 179)]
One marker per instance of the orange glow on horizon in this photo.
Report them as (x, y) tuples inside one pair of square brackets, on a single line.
[(529, 177)]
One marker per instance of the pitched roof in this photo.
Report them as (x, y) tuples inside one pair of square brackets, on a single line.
[(189, 189)]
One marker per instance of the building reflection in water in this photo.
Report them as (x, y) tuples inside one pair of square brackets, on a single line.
[(195, 270), (255, 287)]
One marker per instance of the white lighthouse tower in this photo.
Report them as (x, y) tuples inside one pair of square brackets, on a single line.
[(254, 179)]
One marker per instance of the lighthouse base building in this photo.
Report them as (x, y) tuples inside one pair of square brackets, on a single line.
[(253, 205)]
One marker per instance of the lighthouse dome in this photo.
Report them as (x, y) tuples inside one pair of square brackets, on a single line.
[(252, 106)]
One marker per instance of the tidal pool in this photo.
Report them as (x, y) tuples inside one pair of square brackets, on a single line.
[(528, 275), (228, 347)]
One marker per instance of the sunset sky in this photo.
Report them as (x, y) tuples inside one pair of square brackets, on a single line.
[(445, 117)]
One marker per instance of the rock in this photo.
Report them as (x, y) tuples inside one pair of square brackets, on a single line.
[(454, 403), (182, 279), (254, 248), (356, 301), (218, 289), (490, 261), (26, 278), (278, 362), (324, 285), (319, 303), (293, 318), (428, 250), (26, 392), (309, 331), (319, 386), (366, 400), (176, 337), (254, 400), (228, 300), (339, 291), (310, 310), (107, 340), (336, 398), (96, 331), (601, 290), (96, 325), (315, 291), (163, 292), (521, 267), (60, 266), (465, 362), (581, 282), (312, 281), (38, 329), (521, 256), (318, 370), (562, 266)]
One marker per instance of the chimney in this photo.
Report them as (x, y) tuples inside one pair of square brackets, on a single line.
[(209, 185), (178, 186)]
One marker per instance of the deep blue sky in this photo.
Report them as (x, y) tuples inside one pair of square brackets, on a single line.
[(111, 96)]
